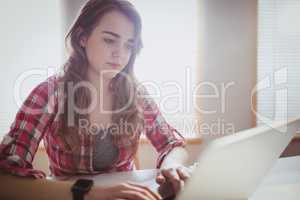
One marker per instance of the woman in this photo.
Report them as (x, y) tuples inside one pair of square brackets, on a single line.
[(91, 116)]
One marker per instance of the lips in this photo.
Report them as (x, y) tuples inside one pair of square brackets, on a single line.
[(114, 65)]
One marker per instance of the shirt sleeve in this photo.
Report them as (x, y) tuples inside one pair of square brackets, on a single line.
[(163, 137), (20, 144)]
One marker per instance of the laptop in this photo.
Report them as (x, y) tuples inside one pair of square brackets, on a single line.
[(232, 167)]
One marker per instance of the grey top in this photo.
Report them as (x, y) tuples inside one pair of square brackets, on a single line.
[(105, 153)]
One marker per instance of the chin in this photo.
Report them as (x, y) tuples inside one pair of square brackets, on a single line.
[(110, 76)]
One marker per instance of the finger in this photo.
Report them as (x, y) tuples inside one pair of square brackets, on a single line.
[(147, 191), (160, 179), (183, 174), (172, 176)]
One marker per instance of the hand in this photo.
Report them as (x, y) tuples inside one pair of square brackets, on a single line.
[(176, 177), (128, 191)]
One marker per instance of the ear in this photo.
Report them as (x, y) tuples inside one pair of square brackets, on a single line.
[(83, 41), (82, 37)]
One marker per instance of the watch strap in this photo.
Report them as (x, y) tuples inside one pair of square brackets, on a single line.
[(78, 195)]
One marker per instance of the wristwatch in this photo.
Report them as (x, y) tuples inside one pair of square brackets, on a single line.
[(80, 188)]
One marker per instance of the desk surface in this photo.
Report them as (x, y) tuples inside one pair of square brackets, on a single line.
[(282, 182)]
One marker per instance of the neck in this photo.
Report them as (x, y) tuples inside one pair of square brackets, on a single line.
[(100, 83)]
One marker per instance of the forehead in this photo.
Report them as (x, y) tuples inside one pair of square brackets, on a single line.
[(118, 23)]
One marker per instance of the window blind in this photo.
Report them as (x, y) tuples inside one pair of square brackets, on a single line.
[(278, 64)]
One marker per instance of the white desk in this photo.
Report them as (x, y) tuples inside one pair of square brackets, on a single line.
[(282, 182)]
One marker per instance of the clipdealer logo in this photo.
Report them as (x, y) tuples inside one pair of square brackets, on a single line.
[(276, 85)]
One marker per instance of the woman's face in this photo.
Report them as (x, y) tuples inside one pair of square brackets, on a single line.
[(109, 46)]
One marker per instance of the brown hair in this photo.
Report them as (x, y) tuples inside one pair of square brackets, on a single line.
[(76, 67)]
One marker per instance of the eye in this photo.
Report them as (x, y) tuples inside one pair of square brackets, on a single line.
[(129, 47), (108, 41)]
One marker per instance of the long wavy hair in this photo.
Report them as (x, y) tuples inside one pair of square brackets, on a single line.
[(123, 85)]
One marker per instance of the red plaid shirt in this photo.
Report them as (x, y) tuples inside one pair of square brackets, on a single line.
[(37, 120)]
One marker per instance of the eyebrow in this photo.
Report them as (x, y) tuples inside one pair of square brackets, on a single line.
[(116, 35)]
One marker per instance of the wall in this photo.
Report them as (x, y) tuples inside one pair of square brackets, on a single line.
[(227, 56), (30, 43)]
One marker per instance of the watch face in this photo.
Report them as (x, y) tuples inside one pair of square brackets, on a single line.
[(83, 185)]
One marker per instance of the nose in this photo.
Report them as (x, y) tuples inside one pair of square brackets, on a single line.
[(117, 52)]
